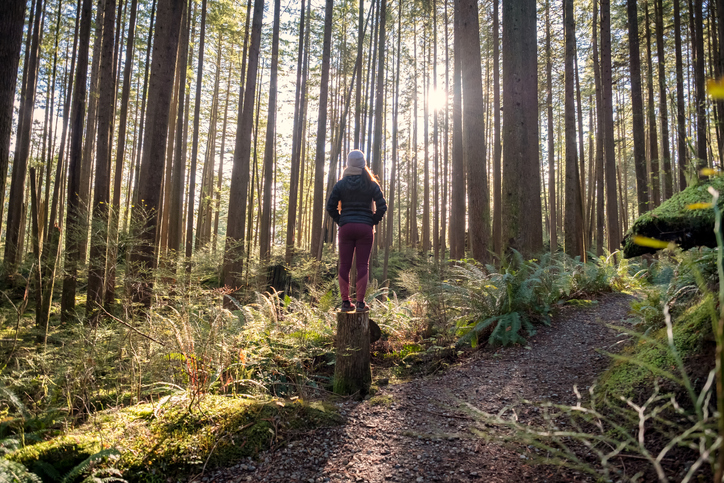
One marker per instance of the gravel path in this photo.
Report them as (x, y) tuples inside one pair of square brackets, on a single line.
[(422, 435)]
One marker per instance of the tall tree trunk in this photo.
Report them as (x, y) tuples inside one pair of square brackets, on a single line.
[(265, 241), (457, 208), (297, 134), (101, 191), (497, 149), (651, 112), (12, 17), (195, 138), (522, 221), (358, 85), (74, 222), (165, 49), (234, 245), (318, 202), (474, 147), (573, 216), (551, 141), (699, 76), (637, 108), (682, 151), (175, 222), (612, 225), (668, 183), (91, 128), (22, 146), (115, 213), (394, 160)]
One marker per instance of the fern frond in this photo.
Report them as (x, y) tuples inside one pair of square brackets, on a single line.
[(86, 464)]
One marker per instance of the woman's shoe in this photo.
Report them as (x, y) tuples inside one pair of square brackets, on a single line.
[(362, 307), (346, 306)]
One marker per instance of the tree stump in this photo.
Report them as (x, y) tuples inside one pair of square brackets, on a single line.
[(352, 372)]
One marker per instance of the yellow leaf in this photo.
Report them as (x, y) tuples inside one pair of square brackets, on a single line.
[(715, 88), (709, 172), (649, 242), (698, 206)]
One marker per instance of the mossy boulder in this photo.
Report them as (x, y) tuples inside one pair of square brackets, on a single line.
[(672, 221)]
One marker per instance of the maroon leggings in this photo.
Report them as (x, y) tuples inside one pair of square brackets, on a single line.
[(359, 237)]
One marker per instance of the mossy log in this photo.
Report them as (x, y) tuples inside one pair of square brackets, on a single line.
[(352, 371), (672, 221)]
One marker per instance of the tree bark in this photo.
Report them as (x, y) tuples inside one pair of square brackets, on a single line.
[(265, 241), (637, 108), (12, 17), (474, 146), (551, 141), (573, 216), (667, 182), (612, 225), (22, 147), (101, 188), (682, 151), (175, 221), (457, 208), (297, 135), (165, 48), (522, 221), (233, 250), (74, 222), (318, 203), (352, 371)]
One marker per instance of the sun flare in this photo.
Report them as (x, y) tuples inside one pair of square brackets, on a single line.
[(437, 99)]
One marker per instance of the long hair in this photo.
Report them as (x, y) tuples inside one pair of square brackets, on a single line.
[(370, 176)]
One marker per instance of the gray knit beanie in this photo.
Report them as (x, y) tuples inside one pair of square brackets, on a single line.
[(355, 163)]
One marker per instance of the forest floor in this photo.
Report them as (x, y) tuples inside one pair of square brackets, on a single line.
[(421, 430)]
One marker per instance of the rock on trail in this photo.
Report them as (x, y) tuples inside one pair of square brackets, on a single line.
[(419, 434)]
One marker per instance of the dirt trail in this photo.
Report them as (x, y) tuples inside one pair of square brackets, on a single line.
[(422, 436)]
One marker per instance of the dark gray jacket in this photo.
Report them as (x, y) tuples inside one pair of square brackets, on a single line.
[(356, 194)]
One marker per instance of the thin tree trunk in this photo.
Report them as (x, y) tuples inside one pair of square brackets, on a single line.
[(165, 49), (12, 17), (175, 222), (233, 248), (573, 219), (474, 146), (682, 151), (74, 222), (668, 183), (457, 209), (297, 134), (612, 225), (318, 202), (22, 146), (637, 108), (551, 141), (265, 240), (651, 112)]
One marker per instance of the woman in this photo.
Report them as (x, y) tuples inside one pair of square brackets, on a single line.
[(356, 218)]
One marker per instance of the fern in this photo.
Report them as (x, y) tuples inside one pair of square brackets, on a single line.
[(12, 472), (88, 463)]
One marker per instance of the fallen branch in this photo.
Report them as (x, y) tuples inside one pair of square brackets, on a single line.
[(132, 328)]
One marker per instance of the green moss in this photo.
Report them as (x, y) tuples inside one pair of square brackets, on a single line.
[(169, 440), (626, 378), (672, 221), (382, 400), (62, 453)]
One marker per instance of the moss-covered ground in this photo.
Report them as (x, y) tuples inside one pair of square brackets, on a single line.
[(633, 375), (174, 438)]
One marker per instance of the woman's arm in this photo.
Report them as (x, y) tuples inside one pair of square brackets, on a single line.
[(332, 203), (380, 204)]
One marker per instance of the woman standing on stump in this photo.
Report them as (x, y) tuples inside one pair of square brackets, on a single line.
[(356, 205)]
